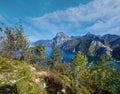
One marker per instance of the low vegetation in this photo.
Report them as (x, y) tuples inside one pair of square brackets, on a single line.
[(19, 78)]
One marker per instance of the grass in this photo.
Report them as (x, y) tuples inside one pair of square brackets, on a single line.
[(16, 73), (17, 77)]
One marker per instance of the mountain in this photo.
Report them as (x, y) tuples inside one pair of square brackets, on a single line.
[(116, 53), (115, 43), (60, 38), (70, 45), (98, 48), (86, 46), (94, 37), (83, 46), (43, 42), (109, 38), (89, 44)]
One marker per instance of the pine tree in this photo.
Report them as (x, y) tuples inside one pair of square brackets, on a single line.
[(21, 43), (35, 54), (98, 78), (14, 42), (78, 67), (56, 57)]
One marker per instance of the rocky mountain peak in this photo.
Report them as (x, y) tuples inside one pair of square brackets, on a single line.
[(60, 38), (60, 34), (89, 35)]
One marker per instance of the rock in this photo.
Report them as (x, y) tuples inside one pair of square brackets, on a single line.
[(37, 80), (42, 73), (44, 85), (60, 38)]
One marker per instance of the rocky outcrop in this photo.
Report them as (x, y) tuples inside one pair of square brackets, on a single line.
[(98, 48), (60, 38)]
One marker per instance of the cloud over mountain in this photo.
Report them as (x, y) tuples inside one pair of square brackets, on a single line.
[(98, 16), (95, 16)]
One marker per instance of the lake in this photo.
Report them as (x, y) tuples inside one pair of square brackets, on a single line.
[(67, 56)]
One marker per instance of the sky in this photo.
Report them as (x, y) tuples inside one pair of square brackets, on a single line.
[(42, 19)]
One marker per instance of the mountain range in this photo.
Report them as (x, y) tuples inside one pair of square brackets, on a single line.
[(89, 44)]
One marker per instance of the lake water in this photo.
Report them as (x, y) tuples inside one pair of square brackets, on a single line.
[(68, 56), (116, 64)]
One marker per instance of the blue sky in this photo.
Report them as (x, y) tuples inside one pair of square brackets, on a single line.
[(42, 19)]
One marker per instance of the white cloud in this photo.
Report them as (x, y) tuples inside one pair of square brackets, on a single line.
[(103, 14), (97, 16)]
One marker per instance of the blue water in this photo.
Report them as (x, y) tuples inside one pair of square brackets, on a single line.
[(116, 64), (66, 55)]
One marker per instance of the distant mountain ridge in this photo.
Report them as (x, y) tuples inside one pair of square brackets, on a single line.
[(43, 42), (58, 40), (89, 44)]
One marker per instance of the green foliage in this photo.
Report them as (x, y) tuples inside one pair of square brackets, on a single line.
[(91, 78), (104, 58), (78, 64), (35, 54), (85, 90), (14, 41), (39, 49), (95, 77), (10, 41), (102, 76), (56, 57), (20, 77)]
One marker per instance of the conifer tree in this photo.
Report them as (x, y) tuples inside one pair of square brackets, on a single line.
[(98, 78), (56, 57), (14, 42), (35, 54), (78, 64)]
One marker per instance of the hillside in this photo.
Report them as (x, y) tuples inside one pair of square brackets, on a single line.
[(19, 78)]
